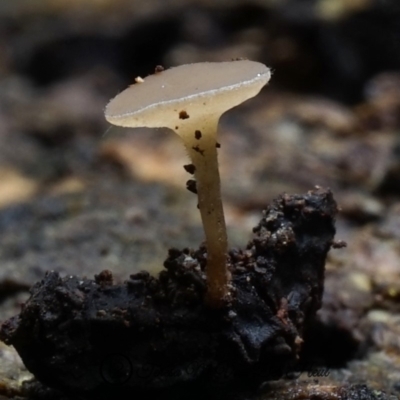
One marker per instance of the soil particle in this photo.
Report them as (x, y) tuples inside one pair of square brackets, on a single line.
[(183, 114), (191, 186), (190, 168), (105, 278)]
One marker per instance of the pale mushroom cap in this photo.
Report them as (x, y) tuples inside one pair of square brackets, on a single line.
[(197, 90)]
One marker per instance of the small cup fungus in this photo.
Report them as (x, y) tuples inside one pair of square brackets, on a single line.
[(190, 100)]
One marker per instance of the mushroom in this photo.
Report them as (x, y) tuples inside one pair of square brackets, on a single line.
[(190, 99)]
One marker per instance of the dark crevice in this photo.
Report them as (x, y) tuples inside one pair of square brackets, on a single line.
[(9, 288), (328, 346)]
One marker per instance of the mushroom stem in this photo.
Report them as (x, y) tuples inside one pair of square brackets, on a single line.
[(190, 99), (200, 141)]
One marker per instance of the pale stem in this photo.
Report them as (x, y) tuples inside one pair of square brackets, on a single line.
[(203, 154)]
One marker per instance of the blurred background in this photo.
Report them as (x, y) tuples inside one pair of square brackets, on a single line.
[(79, 196)]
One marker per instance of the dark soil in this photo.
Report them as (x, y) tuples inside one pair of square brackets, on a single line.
[(77, 197), (100, 339)]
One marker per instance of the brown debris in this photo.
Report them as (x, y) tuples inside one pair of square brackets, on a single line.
[(190, 168), (191, 186), (197, 134), (183, 114), (198, 149)]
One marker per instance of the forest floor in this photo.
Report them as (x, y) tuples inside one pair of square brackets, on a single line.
[(78, 196)]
